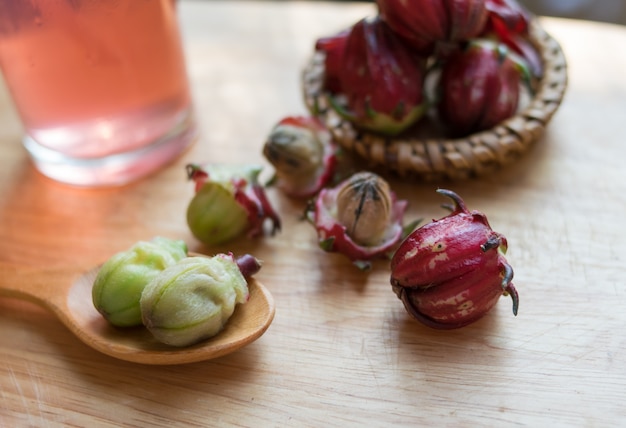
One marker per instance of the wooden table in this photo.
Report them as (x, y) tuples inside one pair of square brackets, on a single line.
[(342, 351)]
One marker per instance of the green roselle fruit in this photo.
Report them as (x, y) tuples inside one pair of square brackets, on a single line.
[(193, 299), (229, 201), (121, 279)]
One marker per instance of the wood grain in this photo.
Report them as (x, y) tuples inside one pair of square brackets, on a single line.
[(341, 350)]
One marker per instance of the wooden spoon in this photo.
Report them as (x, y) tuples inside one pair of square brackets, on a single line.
[(68, 295)]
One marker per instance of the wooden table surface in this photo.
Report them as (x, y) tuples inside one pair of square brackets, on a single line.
[(342, 351)]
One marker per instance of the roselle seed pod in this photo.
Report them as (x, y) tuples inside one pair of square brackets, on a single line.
[(364, 208), (451, 272), (229, 202), (359, 218), (424, 23), (193, 299), (381, 79), (121, 279), (480, 87), (303, 153)]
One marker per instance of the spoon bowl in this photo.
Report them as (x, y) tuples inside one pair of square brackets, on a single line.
[(68, 295)]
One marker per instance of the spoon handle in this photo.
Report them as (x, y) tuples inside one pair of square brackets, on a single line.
[(46, 287)]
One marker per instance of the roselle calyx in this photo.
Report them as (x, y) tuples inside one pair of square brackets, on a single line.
[(452, 271), (333, 48), (509, 15), (229, 201), (303, 154), (509, 22), (480, 86), (424, 23), (380, 78), (360, 218)]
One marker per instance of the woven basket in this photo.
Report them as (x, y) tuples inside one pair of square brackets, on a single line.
[(439, 158)]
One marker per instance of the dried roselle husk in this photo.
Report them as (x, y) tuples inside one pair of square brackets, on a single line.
[(452, 271), (229, 201), (480, 87), (381, 79), (424, 23), (360, 218), (303, 154)]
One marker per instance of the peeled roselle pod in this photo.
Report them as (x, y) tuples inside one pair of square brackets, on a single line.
[(303, 153), (360, 218), (450, 272), (423, 23), (381, 78), (480, 86)]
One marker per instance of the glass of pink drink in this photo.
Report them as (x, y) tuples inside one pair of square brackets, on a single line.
[(100, 86)]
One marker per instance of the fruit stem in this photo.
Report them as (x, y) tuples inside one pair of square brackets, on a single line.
[(459, 203)]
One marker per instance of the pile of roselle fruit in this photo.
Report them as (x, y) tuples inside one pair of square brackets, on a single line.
[(450, 272), (461, 62)]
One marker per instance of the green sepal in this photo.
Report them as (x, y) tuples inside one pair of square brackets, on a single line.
[(406, 230), (327, 244), (272, 181), (380, 122)]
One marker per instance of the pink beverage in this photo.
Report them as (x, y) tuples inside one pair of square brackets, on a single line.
[(100, 86)]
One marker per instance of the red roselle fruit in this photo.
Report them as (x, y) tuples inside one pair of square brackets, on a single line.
[(303, 154), (423, 23), (509, 22), (509, 15), (360, 218), (480, 87), (451, 272), (333, 48), (381, 78)]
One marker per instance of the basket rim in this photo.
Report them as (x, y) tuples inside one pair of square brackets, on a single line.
[(439, 157)]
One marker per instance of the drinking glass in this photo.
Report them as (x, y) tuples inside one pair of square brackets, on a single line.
[(100, 86)]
